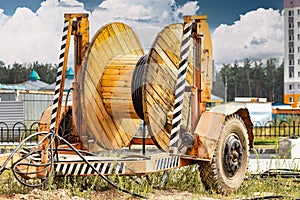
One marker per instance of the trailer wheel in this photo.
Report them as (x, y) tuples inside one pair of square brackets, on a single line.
[(227, 170)]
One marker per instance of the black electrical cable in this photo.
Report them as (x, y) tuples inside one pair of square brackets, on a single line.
[(267, 197), (137, 86), (3, 167), (99, 173), (48, 166), (284, 173)]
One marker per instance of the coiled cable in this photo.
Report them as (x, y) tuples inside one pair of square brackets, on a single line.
[(47, 167)]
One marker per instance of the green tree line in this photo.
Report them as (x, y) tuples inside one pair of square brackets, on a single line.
[(18, 73), (250, 79)]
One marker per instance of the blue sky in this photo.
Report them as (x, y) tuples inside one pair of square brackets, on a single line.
[(30, 30), (219, 11)]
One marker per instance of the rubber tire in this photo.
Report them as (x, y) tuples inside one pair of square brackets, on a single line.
[(212, 173)]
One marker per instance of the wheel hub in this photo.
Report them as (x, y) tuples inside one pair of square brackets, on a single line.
[(233, 155)]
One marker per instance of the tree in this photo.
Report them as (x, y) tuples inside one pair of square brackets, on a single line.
[(259, 75), (47, 72), (236, 77), (218, 86), (253, 79), (270, 79), (247, 80), (18, 73), (279, 80)]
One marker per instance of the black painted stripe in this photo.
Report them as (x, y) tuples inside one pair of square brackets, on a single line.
[(56, 99), (52, 121), (64, 38), (58, 82), (101, 167), (54, 110), (180, 84), (187, 29), (174, 135), (177, 114), (63, 46), (186, 40), (121, 168), (67, 169), (183, 72), (59, 73), (184, 51), (107, 168), (86, 169), (66, 27), (74, 168), (170, 162), (179, 94), (61, 55), (182, 63), (95, 166), (56, 92), (80, 169)]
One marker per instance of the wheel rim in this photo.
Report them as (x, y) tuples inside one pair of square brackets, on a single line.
[(233, 155)]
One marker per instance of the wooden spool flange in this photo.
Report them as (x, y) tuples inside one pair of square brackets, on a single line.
[(101, 89), (160, 78)]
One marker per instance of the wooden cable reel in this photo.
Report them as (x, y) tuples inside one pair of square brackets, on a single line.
[(117, 86)]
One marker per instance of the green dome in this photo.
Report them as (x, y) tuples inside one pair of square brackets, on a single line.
[(34, 76), (70, 73)]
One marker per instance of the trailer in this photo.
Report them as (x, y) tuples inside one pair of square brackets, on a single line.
[(133, 113)]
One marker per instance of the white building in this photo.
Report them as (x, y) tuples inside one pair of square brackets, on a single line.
[(292, 52), (259, 109)]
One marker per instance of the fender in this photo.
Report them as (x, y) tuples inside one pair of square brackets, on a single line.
[(209, 128)]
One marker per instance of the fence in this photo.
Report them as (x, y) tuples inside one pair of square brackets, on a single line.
[(271, 129), (13, 134)]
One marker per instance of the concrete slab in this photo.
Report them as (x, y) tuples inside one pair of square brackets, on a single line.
[(264, 164)]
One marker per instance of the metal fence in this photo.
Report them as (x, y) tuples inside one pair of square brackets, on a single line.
[(271, 129), (13, 134)]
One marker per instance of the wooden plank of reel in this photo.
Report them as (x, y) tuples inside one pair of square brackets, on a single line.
[(106, 115)]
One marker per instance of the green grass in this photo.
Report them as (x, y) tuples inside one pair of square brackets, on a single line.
[(265, 141), (185, 179)]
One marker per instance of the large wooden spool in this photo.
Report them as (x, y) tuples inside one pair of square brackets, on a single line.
[(106, 116), (160, 78), (102, 88)]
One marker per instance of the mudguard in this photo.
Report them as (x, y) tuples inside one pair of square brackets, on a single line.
[(209, 128)]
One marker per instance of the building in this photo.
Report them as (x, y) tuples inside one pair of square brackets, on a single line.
[(25, 102), (292, 52), (259, 109)]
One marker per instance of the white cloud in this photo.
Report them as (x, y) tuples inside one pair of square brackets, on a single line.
[(29, 36), (3, 17), (147, 18), (257, 35)]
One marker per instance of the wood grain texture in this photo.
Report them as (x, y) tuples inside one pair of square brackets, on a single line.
[(104, 88), (160, 79)]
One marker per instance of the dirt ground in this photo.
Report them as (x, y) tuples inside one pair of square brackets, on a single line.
[(61, 194)]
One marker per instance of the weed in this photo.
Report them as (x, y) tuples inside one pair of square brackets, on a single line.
[(185, 179)]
